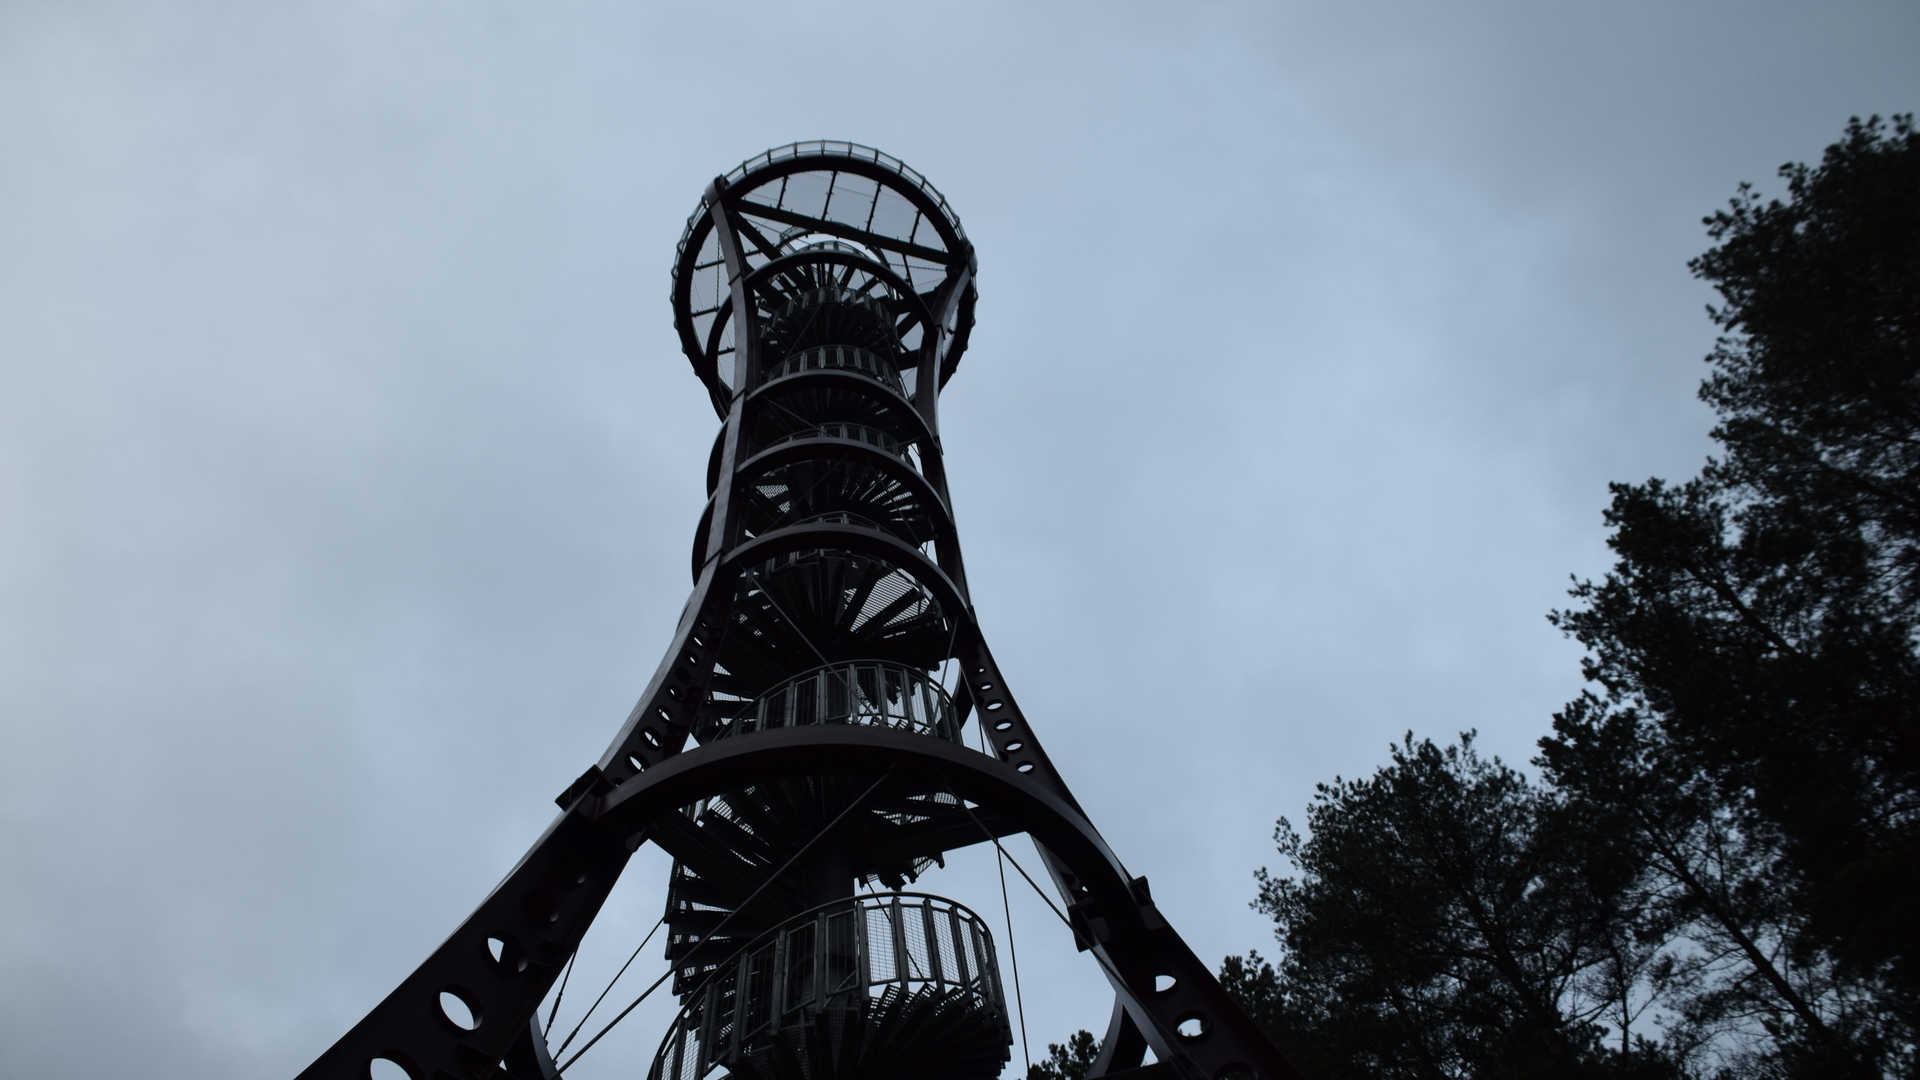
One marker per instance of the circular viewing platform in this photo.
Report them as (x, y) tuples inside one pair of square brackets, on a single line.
[(853, 234), (861, 433)]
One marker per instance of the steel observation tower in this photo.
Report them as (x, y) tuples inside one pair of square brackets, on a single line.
[(804, 751)]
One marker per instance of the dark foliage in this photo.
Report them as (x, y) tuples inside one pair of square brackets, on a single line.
[(1445, 923), (1716, 876), (1758, 726), (1069, 1062)]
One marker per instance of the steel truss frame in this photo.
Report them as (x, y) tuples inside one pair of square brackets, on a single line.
[(503, 960)]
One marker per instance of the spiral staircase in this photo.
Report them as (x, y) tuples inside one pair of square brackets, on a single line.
[(828, 636)]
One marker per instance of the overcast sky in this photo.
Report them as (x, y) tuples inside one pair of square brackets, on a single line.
[(348, 465)]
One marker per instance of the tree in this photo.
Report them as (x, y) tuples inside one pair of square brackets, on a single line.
[(1756, 645), (1717, 876), (1068, 1062), (1722, 947), (1445, 922)]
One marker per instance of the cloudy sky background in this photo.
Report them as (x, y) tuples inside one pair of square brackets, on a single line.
[(348, 467)]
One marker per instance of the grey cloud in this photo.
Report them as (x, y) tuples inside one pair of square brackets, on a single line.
[(348, 465)]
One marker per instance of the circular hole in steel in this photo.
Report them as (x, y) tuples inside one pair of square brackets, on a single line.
[(650, 737), (1013, 745), (1164, 983), (1192, 1027), (1003, 725), (385, 1068), (996, 706), (506, 953), (638, 765), (458, 1009), (1025, 766), (985, 686)]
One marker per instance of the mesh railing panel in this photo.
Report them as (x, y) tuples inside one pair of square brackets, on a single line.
[(846, 956), (872, 436), (840, 358), (869, 693), (849, 150)]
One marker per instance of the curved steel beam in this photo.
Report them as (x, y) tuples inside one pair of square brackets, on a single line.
[(539, 913), (1192, 1022)]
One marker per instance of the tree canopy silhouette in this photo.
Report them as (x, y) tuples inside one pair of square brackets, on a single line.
[(1447, 921), (1754, 725), (1715, 875)]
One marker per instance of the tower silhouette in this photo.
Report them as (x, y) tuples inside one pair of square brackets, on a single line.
[(806, 734)]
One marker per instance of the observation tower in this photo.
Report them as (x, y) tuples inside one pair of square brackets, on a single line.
[(828, 722)]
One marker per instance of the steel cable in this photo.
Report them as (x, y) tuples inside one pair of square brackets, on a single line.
[(711, 934)]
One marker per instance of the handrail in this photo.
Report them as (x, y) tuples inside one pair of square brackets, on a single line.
[(830, 148), (840, 358), (844, 953), (836, 517), (864, 433), (866, 693), (838, 148)]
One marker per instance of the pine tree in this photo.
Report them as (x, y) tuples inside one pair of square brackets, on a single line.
[(1756, 647)]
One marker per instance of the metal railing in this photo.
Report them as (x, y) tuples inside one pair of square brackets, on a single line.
[(837, 517), (850, 150), (861, 433), (841, 358), (844, 955), (831, 149), (869, 693)]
